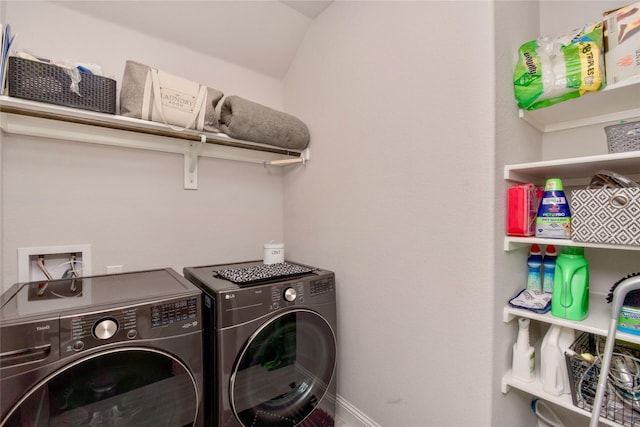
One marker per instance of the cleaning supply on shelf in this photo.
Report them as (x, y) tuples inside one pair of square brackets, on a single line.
[(554, 216), (553, 366), (546, 417), (570, 297), (549, 267), (555, 68), (538, 302), (523, 366), (534, 264), (522, 208), (629, 320)]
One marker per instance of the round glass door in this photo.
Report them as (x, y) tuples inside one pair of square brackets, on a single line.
[(284, 370), (126, 387)]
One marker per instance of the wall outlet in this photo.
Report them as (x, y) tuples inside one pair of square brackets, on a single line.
[(57, 261)]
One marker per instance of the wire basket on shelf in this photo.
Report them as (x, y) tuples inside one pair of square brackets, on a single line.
[(621, 402)]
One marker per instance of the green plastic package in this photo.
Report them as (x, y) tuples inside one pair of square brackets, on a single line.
[(553, 69)]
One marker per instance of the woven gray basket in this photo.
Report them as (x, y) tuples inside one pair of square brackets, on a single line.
[(623, 137), (38, 81)]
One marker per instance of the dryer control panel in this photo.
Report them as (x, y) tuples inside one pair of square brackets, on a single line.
[(249, 303)]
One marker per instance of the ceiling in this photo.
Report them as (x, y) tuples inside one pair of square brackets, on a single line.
[(262, 35)]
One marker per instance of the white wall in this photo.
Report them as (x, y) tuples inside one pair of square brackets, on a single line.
[(398, 200), (516, 142), (130, 205)]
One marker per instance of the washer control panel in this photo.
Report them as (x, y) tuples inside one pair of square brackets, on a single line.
[(171, 312), (84, 331), (155, 320)]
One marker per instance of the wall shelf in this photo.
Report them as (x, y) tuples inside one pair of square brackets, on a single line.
[(574, 171), (512, 243), (620, 101), (535, 388), (596, 323), (22, 117)]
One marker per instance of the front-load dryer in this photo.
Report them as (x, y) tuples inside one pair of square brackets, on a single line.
[(113, 350), (269, 344)]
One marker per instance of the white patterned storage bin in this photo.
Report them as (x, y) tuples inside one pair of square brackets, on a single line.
[(610, 215)]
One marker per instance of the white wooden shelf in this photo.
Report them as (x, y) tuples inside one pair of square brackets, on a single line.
[(512, 243), (535, 388), (615, 102), (23, 117), (573, 171), (597, 322), (576, 171)]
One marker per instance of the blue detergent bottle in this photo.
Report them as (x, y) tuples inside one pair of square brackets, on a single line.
[(534, 264), (570, 297)]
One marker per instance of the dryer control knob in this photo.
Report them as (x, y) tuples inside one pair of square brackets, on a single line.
[(105, 329), (290, 294)]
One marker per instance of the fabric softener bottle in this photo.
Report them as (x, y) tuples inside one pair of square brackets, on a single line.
[(570, 296)]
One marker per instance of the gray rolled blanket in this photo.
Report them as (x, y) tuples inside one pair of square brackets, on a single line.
[(250, 121)]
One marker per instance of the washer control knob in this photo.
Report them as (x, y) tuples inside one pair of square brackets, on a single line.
[(105, 329), (290, 294)]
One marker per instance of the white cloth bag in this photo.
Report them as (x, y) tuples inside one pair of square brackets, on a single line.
[(151, 94)]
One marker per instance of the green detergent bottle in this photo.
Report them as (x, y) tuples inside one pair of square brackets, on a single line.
[(570, 296)]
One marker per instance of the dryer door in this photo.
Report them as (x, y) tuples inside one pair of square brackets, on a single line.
[(122, 387), (284, 370)]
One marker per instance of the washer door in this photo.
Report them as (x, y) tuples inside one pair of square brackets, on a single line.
[(284, 370), (123, 387)]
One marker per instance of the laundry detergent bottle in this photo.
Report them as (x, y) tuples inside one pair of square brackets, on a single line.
[(570, 296), (554, 374)]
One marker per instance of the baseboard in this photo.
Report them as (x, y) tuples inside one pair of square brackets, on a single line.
[(352, 416)]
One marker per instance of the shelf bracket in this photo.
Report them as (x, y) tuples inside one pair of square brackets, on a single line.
[(191, 163), (504, 387)]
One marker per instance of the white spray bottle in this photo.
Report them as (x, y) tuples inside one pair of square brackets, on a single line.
[(524, 355)]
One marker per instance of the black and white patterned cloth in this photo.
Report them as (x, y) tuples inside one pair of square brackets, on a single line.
[(262, 272)]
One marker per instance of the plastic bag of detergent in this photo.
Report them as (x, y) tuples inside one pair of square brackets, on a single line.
[(553, 69)]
